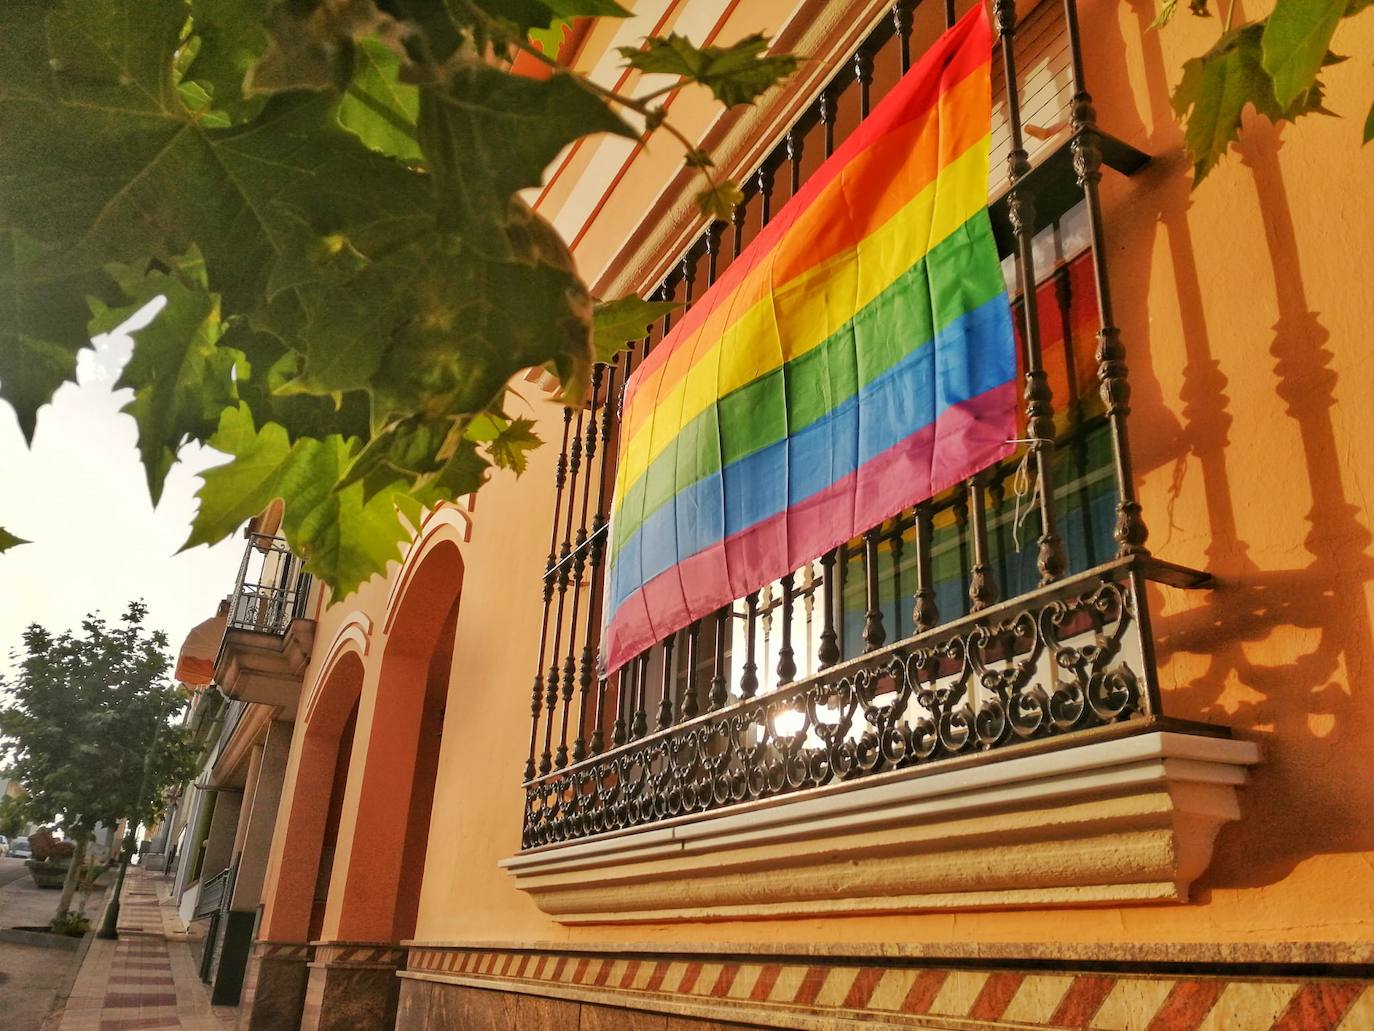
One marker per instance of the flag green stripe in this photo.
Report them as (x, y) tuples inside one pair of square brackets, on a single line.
[(890, 327)]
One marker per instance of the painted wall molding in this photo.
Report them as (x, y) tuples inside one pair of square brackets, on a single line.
[(476, 985), (1130, 819)]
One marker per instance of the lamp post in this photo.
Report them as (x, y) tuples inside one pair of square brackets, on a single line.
[(109, 926)]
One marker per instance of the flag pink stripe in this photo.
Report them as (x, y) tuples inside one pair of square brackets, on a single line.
[(938, 456)]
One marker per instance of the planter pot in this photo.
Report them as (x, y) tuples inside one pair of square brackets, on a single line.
[(50, 873)]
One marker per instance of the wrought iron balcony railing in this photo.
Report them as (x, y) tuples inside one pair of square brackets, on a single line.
[(272, 588), (993, 615)]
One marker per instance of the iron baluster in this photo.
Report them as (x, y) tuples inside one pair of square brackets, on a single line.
[(565, 552), (1131, 532), (828, 652), (874, 632), (787, 663), (826, 108), (720, 672), (537, 699), (765, 181), (1039, 401), (863, 75), (982, 590), (624, 702), (593, 557), (640, 726), (961, 527), (897, 545), (689, 694), (997, 492), (925, 615), (749, 678), (841, 575), (903, 16), (665, 704)]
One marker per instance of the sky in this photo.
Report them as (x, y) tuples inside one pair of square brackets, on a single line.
[(80, 496)]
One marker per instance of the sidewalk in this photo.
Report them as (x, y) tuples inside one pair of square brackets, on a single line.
[(35, 968), (146, 979)]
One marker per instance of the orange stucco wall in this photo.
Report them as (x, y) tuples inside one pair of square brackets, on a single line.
[(1246, 307)]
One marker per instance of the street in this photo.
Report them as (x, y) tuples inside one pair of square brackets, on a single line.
[(10, 869)]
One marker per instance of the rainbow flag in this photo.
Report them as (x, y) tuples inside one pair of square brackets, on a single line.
[(856, 358)]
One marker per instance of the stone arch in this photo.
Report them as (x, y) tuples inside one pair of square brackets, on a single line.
[(397, 764), (315, 791)]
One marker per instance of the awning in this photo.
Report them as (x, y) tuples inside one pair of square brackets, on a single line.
[(196, 661)]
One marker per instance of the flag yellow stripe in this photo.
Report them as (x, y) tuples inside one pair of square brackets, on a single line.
[(806, 311)]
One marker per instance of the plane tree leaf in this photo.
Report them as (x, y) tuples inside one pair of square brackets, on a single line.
[(1217, 87), (9, 540), (509, 449), (487, 134), (617, 324), (378, 107), (736, 74), (327, 197), (181, 378), (341, 536), (1296, 42)]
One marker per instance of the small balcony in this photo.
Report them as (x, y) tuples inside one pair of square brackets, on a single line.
[(267, 637)]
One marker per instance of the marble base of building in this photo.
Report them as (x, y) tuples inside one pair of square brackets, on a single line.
[(538, 988), (274, 987), (352, 985)]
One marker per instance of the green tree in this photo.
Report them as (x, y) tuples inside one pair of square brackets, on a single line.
[(326, 193), (12, 817), (82, 714)]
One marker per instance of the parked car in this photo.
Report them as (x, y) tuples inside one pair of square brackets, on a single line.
[(4, 845), (19, 849)]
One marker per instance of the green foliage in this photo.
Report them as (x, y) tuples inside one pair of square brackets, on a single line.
[(9, 540), (326, 196), (736, 74), (85, 712), (1272, 65), (12, 818), (617, 323), (73, 925), (1296, 42)]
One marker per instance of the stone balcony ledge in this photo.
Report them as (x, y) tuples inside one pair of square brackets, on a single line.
[(1098, 821)]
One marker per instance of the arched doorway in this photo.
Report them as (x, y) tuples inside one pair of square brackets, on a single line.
[(386, 850), (383, 837), (310, 818)]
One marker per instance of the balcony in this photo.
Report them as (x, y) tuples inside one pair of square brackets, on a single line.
[(267, 637), (957, 708)]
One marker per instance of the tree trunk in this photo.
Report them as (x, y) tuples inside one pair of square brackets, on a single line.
[(64, 904)]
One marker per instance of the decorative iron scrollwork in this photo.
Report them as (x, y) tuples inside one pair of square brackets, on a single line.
[(1056, 661)]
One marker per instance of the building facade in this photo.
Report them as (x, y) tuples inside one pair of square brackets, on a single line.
[(1091, 756)]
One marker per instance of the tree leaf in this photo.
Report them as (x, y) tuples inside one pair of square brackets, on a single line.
[(378, 107), (509, 448), (487, 135), (1295, 44), (616, 324), (9, 540), (736, 74), (719, 200), (228, 39), (341, 537), (550, 40), (236, 491), (181, 378), (1215, 89)]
